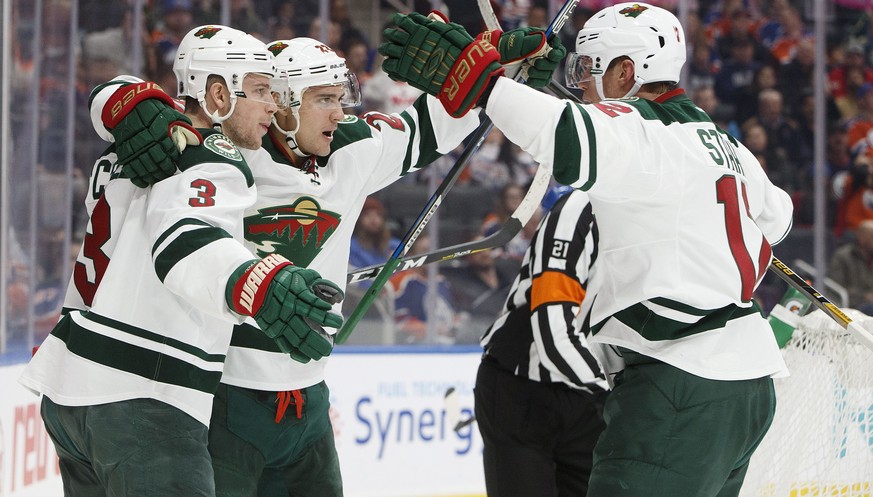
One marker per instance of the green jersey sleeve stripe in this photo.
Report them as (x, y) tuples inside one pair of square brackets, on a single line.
[(653, 327), (407, 160), (135, 360), (568, 150), (592, 149), (184, 245), (680, 307), (427, 137), (122, 83), (184, 222), (154, 337), (249, 337)]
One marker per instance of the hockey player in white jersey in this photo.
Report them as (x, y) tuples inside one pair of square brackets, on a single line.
[(687, 217), (128, 374), (272, 432), (315, 170)]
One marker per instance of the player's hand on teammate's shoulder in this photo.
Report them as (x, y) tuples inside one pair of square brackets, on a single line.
[(149, 131)]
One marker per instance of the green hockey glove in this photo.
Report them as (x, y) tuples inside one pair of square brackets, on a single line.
[(441, 59), (290, 304), (527, 45), (149, 132)]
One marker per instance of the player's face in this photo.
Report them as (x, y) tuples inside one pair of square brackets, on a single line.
[(578, 75), (319, 114), (589, 91), (253, 113)]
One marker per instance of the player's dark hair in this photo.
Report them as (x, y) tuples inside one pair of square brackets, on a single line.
[(659, 87)]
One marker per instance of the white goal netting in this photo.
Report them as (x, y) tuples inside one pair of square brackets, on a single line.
[(821, 440)]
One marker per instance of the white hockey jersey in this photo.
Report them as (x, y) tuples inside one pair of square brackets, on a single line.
[(686, 216), (309, 215), (145, 312)]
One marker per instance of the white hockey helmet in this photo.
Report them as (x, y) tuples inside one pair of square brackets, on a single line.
[(650, 36), (305, 62), (302, 63), (225, 52)]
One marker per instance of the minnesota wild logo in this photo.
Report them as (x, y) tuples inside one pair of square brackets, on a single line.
[(297, 231), (276, 48), (222, 146), (207, 32), (633, 11)]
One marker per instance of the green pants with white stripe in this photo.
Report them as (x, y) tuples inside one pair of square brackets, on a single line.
[(673, 434)]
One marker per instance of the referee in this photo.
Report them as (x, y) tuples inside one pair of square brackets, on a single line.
[(539, 391)]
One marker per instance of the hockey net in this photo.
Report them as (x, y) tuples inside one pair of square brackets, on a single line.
[(821, 440)]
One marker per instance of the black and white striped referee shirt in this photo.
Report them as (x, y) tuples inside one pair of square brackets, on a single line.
[(538, 335)]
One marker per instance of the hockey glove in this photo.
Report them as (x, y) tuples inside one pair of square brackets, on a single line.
[(441, 59), (527, 44), (290, 304), (149, 132)]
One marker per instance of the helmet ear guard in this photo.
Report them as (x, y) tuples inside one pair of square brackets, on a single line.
[(650, 36)]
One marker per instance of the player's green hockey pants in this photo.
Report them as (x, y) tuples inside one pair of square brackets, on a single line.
[(672, 434), (140, 447), (253, 455)]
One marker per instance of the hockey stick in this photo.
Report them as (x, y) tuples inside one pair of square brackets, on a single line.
[(507, 232), (488, 15), (434, 202), (492, 23), (453, 411), (821, 302)]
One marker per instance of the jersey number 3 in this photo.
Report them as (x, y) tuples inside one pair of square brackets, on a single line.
[(727, 194), (92, 248)]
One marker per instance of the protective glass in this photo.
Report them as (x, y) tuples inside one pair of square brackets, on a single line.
[(281, 90), (578, 69), (351, 96), (257, 91), (352, 93)]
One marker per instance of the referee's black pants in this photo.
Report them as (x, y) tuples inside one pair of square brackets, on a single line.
[(539, 437)]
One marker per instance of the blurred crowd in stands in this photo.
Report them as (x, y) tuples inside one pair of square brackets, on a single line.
[(750, 66)]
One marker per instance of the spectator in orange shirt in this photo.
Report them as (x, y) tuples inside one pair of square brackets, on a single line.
[(793, 32), (856, 201)]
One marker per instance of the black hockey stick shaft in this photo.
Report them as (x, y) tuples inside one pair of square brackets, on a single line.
[(433, 203), (507, 232), (492, 23), (820, 301), (411, 236)]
